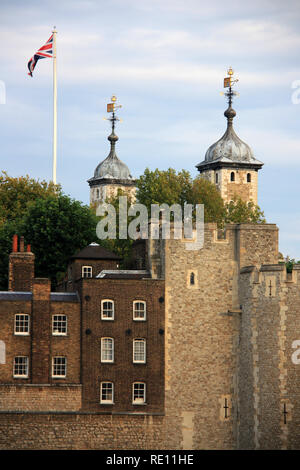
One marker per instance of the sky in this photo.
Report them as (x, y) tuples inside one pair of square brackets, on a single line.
[(165, 60)]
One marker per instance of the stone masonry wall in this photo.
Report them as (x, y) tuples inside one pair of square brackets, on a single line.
[(67, 431), (270, 337), (40, 397)]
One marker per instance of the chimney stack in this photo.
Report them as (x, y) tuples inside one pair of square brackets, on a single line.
[(21, 267)]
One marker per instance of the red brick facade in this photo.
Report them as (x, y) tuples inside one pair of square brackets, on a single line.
[(54, 339)]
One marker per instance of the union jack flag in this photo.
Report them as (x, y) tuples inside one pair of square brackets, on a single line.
[(42, 53)]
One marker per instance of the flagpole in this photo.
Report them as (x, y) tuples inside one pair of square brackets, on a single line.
[(54, 107)]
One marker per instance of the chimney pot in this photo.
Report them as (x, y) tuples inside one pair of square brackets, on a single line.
[(28, 248), (15, 243)]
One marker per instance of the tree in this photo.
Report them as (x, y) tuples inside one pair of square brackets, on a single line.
[(169, 187), (204, 192), (158, 187), (57, 227), (239, 211), (119, 246), (16, 193)]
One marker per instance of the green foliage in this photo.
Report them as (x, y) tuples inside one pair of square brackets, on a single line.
[(16, 193), (158, 187), (204, 192), (57, 227), (239, 211), (121, 247)]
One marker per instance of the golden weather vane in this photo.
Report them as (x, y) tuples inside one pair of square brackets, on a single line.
[(228, 83), (111, 108)]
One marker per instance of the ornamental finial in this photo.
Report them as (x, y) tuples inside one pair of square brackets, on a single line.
[(111, 108), (228, 83)]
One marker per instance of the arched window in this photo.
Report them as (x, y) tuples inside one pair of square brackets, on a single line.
[(139, 310), (107, 309), (248, 178), (232, 176), (192, 279)]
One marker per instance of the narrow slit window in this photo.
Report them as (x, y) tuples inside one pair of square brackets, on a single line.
[(232, 176)]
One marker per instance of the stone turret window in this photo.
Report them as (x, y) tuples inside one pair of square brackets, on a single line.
[(192, 279), (217, 178), (248, 178), (232, 176)]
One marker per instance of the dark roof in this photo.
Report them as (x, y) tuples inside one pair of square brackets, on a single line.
[(95, 251), (54, 296), (64, 297), (12, 295)]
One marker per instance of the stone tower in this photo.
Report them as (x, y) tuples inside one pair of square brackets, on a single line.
[(111, 174), (229, 163)]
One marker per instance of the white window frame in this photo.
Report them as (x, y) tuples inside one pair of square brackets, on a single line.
[(139, 400), (105, 350), (135, 302), (112, 310), (104, 401), (26, 361), (59, 333), (139, 341), (90, 271), (60, 376), (22, 333)]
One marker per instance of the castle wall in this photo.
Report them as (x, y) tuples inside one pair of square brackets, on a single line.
[(67, 431), (269, 369), (200, 343), (34, 398)]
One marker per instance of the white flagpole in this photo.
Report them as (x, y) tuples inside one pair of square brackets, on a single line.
[(54, 107)]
